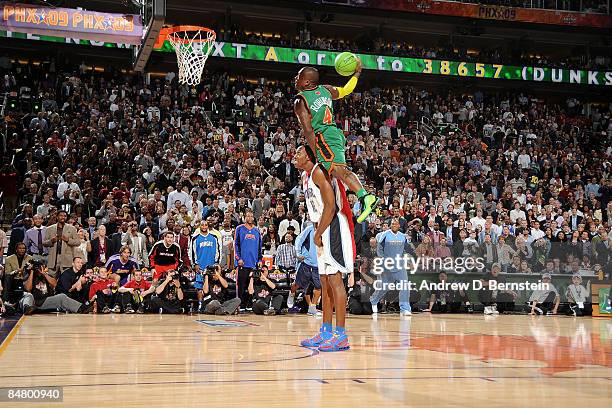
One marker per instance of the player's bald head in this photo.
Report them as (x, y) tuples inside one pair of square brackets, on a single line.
[(310, 73), (307, 78)]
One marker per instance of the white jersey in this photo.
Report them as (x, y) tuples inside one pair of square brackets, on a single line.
[(312, 194), (337, 253)]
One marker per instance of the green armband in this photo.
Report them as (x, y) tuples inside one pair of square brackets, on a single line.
[(348, 88)]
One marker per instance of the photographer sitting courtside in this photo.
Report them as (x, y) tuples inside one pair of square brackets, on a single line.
[(169, 295), (447, 300), (39, 293), (496, 301), (360, 289), (216, 298), (261, 288)]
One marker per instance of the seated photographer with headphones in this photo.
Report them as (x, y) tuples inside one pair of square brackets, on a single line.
[(134, 293), (39, 293), (169, 295), (216, 298), (261, 288)]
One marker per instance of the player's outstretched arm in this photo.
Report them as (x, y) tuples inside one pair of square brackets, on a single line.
[(342, 91), (303, 115), (321, 179)]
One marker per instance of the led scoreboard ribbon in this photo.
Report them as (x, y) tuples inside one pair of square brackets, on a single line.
[(371, 62)]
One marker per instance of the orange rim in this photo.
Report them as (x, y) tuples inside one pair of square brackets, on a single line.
[(170, 31)]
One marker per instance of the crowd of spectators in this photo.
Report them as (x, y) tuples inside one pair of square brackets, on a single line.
[(377, 45), (131, 193), (586, 6)]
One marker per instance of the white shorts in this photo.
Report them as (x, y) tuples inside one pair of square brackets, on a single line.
[(325, 268), (336, 254)]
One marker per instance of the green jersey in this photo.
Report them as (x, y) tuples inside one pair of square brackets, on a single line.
[(321, 108), (331, 142)]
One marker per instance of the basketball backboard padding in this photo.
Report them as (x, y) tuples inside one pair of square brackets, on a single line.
[(143, 52)]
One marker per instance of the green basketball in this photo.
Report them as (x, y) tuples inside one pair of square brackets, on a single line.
[(345, 63)]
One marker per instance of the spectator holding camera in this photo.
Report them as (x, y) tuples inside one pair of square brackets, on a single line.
[(261, 288), (169, 295), (164, 256), (61, 239), (135, 293), (39, 287), (216, 299), (247, 250)]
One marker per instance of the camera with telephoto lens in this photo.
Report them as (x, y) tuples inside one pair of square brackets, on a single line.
[(257, 273), (34, 265), (174, 274), (211, 270)]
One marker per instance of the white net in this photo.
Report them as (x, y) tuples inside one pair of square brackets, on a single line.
[(192, 46)]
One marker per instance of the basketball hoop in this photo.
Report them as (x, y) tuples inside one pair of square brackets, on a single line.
[(192, 45)]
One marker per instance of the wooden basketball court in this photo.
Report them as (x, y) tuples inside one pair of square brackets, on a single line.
[(426, 361)]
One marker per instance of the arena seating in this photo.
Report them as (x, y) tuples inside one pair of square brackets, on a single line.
[(108, 145)]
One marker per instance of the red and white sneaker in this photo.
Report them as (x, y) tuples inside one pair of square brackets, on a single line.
[(336, 343)]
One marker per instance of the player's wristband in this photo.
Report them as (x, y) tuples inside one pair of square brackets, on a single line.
[(348, 88)]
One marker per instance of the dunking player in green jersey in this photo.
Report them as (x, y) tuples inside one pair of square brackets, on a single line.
[(314, 109)]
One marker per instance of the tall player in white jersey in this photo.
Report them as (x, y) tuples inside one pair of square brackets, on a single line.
[(334, 249)]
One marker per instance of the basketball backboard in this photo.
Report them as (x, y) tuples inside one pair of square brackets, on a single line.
[(153, 16)]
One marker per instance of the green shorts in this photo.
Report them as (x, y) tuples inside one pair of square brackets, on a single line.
[(331, 145)]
